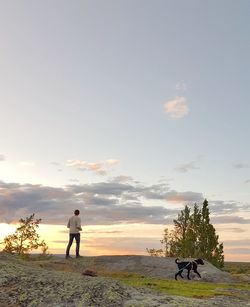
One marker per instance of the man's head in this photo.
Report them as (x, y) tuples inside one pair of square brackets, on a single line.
[(77, 212)]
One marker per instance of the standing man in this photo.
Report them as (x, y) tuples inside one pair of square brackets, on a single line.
[(74, 225)]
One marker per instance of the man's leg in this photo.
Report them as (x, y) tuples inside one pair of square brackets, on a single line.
[(78, 238), (71, 238)]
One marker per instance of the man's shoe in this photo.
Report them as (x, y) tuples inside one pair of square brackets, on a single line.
[(68, 257), (79, 256)]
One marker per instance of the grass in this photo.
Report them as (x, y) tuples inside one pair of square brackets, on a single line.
[(194, 289)]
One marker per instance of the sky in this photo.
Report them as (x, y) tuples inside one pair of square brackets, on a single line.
[(127, 111)]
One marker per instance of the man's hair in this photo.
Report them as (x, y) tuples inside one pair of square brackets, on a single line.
[(77, 212)]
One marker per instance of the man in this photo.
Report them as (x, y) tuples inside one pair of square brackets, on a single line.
[(74, 225)]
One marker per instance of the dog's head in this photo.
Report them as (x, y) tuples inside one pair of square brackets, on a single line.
[(199, 261)]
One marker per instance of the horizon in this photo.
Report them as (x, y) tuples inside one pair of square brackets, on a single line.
[(127, 111)]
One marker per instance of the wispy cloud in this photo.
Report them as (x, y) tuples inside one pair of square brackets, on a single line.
[(247, 181), (184, 197), (55, 163), (121, 178), (99, 168), (238, 251), (228, 219), (112, 162), (2, 158), (241, 165), (231, 229), (74, 180), (184, 168), (177, 108), (181, 86), (237, 242)]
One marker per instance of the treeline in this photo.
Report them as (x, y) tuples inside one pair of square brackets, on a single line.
[(193, 236)]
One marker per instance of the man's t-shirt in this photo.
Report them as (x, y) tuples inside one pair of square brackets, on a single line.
[(73, 223)]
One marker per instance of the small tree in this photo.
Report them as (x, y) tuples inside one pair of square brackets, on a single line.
[(25, 238)]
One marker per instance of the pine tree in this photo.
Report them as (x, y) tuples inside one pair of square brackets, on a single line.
[(209, 247)]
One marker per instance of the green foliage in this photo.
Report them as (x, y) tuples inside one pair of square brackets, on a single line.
[(193, 236), (25, 238)]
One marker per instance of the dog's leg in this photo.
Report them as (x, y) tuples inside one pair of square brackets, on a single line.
[(178, 273), (188, 274), (197, 273)]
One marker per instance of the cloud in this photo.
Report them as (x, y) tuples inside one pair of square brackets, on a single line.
[(161, 191), (191, 197), (112, 162), (227, 207), (55, 163), (229, 219), (74, 180), (232, 229), (237, 242), (115, 189), (181, 86), (241, 165), (99, 168), (247, 181), (101, 203), (184, 168), (111, 202), (238, 251), (177, 108), (122, 178), (2, 158), (96, 167)]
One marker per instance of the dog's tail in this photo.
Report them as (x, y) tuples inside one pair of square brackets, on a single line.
[(176, 260)]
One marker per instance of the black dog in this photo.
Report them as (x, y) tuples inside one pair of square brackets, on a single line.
[(192, 265)]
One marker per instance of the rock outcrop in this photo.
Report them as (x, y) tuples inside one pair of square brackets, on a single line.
[(152, 267), (59, 283)]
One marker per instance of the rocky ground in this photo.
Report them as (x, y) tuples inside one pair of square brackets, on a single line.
[(152, 267), (60, 283)]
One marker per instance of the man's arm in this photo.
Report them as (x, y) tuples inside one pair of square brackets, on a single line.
[(68, 225), (78, 226)]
